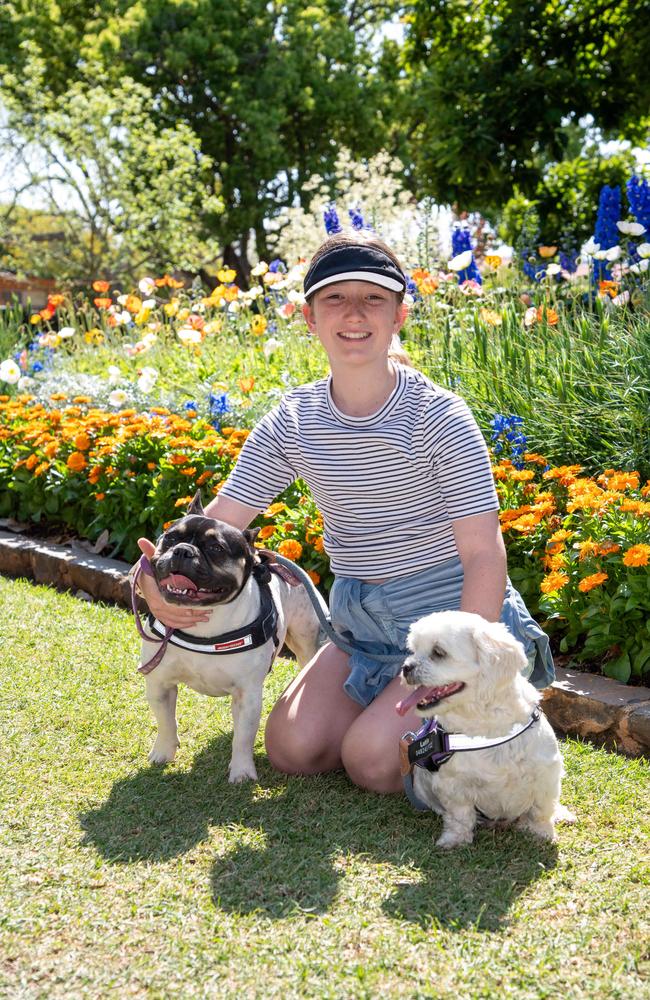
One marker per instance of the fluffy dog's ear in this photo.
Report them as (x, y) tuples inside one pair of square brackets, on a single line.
[(196, 507), (499, 655)]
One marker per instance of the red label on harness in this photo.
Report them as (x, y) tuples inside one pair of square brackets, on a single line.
[(234, 643)]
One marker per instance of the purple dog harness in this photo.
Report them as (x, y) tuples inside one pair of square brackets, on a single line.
[(432, 746), (257, 633)]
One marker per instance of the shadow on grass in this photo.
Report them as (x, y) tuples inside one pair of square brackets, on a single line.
[(302, 835)]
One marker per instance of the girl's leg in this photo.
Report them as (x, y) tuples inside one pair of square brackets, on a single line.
[(370, 750), (307, 724)]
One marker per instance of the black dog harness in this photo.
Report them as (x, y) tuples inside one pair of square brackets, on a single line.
[(251, 636), (432, 746)]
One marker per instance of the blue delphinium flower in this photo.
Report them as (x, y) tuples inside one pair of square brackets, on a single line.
[(606, 233), (569, 260), (278, 266), (461, 241), (638, 195), (331, 219), (412, 289), (508, 438), (218, 406), (356, 218), (191, 405)]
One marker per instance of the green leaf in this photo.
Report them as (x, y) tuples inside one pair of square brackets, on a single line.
[(620, 669)]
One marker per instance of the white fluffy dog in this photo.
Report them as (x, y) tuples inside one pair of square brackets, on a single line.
[(466, 672)]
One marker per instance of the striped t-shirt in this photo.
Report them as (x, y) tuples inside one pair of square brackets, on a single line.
[(388, 485)]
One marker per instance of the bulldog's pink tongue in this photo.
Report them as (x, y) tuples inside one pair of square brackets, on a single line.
[(412, 699), (178, 582)]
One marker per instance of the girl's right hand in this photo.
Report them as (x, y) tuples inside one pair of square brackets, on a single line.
[(172, 615)]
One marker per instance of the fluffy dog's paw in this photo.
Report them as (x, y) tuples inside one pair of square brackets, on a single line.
[(163, 753), (449, 840), (564, 815), (241, 772), (545, 829)]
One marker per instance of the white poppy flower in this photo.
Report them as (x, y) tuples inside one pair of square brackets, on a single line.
[(553, 269), (296, 297), (271, 345), (26, 383), (460, 261), (643, 250), (630, 228), (114, 375), (530, 316), (149, 304), (122, 299), (260, 269), (590, 248), (117, 397), (188, 335), (150, 373), (9, 372), (147, 286), (67, 331), (613, 253)]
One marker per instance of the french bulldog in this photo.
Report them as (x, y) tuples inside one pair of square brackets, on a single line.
[(206, 563)]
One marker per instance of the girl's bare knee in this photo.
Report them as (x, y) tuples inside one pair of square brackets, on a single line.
[(368, 762), (293, 751)]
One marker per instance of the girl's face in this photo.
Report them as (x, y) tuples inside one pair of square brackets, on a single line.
[(354, 320)]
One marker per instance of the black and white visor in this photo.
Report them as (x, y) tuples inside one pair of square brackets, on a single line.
[(354, 263)]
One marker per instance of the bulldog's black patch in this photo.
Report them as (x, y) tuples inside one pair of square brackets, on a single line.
[(200, 560)]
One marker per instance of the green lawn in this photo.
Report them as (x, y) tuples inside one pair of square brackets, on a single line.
[(121, 879)]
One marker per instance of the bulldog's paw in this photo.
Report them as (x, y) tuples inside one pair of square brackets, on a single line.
[(162, 752), (241, 771)]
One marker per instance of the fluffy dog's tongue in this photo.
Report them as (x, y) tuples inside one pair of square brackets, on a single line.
[(179, 582), (420, 694)]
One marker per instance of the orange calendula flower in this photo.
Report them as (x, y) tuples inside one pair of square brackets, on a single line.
[(637, 555), (76, 461), (521, 475), (553, 582), (275, 508), (191, 471), (608, 288), (31, 462), (203, 478), (40, 469), (531, 456), (586, 549), (266, 532), (101, 286), (246, 384), (552, 548), (179, 459), (608, 548), (183, 501), (100, 496), (290, 549), (82, 442), (548, 314), (589, 582), (313, 576)]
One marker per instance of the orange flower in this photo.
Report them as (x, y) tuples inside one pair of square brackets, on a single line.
[(179, 459), (100, 496), (47, 313), (290, 549), (275, 508), (266, 532), (547, 252), (246, 384), (101, 286), (531, 456), (133, 303), (589, 582), (637, 555), (586, 549), (427, 286), (203, 478), (54, 301), (521, 475), (183, 502), (31, 462), (76, 461), (313, 576), (40, 469), (493, 260), (608, 548), (553, 582), (608, 288), (82, 442), (191, 471), (491, 317), (103, 303), (550, 315)]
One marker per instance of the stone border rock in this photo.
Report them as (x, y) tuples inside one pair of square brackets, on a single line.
[(578, 704)]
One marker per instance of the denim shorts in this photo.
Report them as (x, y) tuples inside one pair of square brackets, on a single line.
[(375, 618)]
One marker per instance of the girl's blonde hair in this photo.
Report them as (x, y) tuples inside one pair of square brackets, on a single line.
[(356, 238)]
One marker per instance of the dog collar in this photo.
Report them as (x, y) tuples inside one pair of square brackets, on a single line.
[(432, 746), (251, 636)]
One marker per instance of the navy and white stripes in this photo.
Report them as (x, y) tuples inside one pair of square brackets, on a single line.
[(388, 485)]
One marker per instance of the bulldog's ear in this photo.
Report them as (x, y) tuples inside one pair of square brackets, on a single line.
[(196, 507), (250, 534)]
